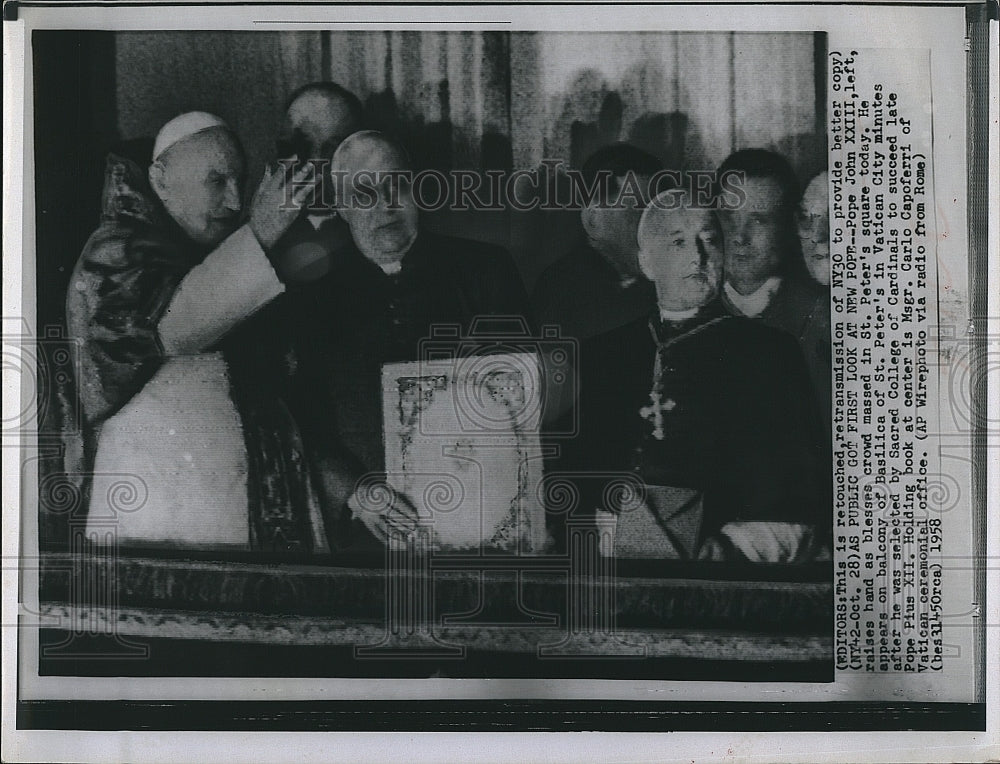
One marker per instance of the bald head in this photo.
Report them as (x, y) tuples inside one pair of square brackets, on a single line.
[(680, 251), (318, 117), (377, 201), (369, 150)]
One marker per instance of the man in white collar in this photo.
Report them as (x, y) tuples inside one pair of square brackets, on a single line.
[(680, 252), (384, 227), (759, 233), (762, 264), (384, 295), (711, 411)]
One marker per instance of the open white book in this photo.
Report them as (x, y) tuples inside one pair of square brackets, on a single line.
[(462, 444)]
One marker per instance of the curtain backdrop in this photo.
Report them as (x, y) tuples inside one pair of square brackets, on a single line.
[(497, 100), (690, 97)]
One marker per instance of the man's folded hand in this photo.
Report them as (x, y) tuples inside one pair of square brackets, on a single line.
[(387, 513)]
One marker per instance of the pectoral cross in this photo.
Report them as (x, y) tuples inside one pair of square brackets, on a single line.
[(654, 411)]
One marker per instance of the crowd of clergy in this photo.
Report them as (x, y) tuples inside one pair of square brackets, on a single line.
[(232, 350)]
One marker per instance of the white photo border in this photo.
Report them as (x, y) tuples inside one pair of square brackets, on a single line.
[(938, 29)]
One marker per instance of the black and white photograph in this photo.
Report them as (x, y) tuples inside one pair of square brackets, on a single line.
[(453, 354), (410, 368)]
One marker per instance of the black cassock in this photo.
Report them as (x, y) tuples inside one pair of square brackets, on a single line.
[(355, 319), (737, 418)]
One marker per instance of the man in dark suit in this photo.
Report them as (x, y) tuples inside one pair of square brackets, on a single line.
[(383, 295), (764, 278), (711, 411), (318, 117)]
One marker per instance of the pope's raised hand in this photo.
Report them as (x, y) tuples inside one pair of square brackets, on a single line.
[(278, 201)]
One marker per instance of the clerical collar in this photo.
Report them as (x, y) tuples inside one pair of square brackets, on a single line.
[(318, 220), (753, 304), (678, 316), (393, 267), (676, 325)]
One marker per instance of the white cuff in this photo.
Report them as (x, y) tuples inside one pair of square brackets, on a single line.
[(228, 286), (772, 541)]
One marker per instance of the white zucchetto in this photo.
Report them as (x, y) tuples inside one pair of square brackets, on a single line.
[(184, 126)]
